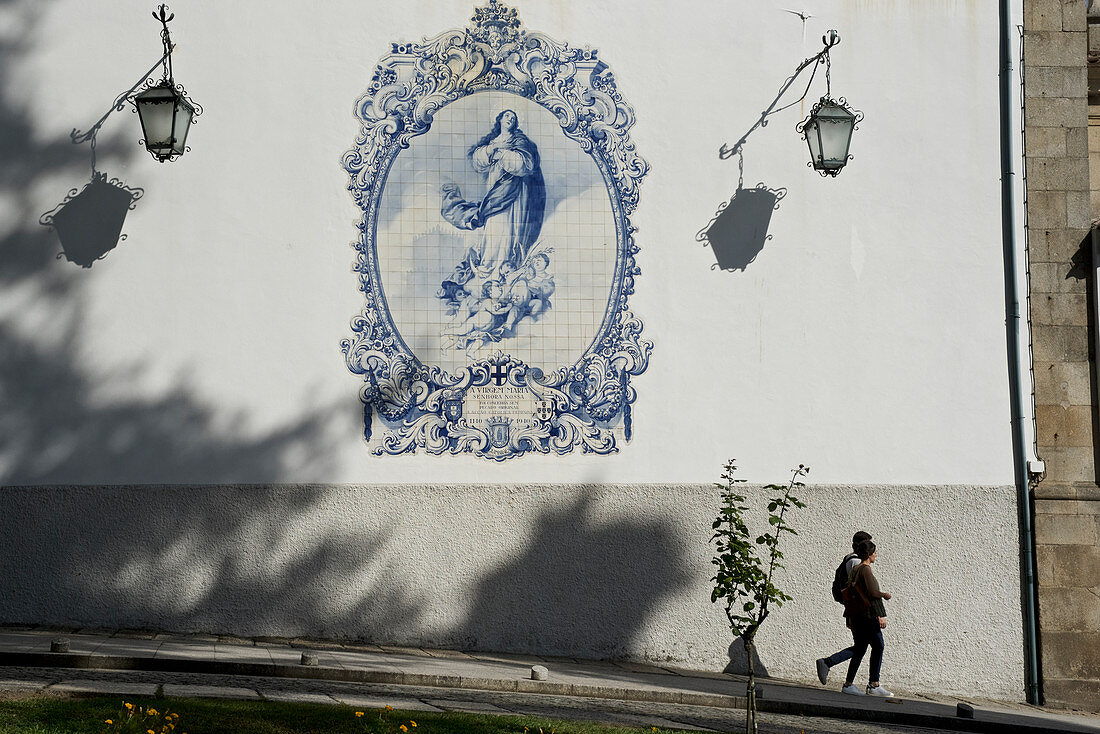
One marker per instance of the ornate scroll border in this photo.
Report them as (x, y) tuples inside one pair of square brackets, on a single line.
[(583, 403)]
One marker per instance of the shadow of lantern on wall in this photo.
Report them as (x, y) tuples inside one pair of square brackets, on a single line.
[(89, 223), (739, 229)]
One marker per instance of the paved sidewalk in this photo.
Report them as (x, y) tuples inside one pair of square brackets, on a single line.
[(293, 668)]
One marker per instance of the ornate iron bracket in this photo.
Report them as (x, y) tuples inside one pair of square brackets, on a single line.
[(830, 39)]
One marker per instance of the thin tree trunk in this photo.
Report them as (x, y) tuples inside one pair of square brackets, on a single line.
[(750, 689)]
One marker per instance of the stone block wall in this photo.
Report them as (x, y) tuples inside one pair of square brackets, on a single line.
[(1067, 531), (1063, 198)]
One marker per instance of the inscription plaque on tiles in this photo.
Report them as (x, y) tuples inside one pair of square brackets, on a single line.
[(487, 402)]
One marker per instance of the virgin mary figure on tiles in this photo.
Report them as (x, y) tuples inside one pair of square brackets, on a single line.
[(503, 278)]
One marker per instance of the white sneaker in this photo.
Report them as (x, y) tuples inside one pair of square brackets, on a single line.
[(822, 670), (851, 690), (878, 691)]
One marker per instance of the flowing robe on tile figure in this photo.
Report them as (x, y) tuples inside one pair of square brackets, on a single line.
[(509, 218)]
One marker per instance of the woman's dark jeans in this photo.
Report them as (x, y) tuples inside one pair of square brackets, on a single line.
[(866, 632), (839, 657)]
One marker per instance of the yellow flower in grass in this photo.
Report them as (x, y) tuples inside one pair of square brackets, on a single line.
[(412, 723), (150, 731), (403, 728), (389, 708), (108, 721), (359, 713), (152, 712), (128, 705)]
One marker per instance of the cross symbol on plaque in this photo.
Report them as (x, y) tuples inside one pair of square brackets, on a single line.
[(499, 375)]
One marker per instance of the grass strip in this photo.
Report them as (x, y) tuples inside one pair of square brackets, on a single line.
[(46, 714)]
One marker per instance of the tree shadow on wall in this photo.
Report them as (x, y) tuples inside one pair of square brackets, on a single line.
[(243, 559), (584, 587), (53, 431), (175, 559), (166, 556), (56, 422)]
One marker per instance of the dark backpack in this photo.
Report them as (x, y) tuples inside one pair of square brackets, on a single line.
[(840, 578), (856, 603)]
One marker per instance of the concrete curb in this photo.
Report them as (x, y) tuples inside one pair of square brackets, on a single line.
[(874, 711)]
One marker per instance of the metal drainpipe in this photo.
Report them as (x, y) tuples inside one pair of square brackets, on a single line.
[(1016, 383)]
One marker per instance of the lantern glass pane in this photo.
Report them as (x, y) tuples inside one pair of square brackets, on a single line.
[(835, 126), (157, 110), (184, 114), (814, 142)]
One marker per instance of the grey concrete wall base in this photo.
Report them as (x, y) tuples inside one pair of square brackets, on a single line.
[(619, 572)]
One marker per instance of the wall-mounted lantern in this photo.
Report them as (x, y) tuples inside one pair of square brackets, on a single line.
[(165, 111), (828, 129), (828, 132), (164, 108)]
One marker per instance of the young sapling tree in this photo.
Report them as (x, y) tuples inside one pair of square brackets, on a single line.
[(747, 565)]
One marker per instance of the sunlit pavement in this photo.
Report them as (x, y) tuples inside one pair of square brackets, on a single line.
[(133, 663)]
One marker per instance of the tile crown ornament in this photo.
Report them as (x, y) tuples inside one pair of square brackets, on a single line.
[(585, 406)]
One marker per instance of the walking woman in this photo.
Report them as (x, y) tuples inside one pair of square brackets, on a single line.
[(866, 625)]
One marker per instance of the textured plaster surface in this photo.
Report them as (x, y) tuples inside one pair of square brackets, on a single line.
[(618, 571)]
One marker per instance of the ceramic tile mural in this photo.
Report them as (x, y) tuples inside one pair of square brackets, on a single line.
[(548, 263), (496, 175)]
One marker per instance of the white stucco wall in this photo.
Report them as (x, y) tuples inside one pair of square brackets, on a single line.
[(867, 340)]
